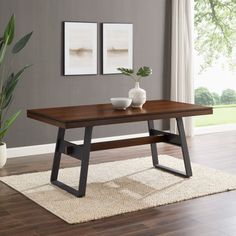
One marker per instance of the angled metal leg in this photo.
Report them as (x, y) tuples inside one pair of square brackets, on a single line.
[(184, 147), (153, 145), (179, 140), (57, 154), (85, 161), (84, 151)]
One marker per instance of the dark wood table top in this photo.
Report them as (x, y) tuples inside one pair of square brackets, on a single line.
[(102, 114)]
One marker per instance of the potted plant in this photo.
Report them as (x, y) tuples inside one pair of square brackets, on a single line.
[(137, 94), (8, 81)]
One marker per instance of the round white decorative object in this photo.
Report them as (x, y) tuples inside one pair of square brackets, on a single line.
[(138, 96), (121, 103), (3, 154)]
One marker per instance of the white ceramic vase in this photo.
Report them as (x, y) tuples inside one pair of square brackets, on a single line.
[(3, 154), (138, 96)]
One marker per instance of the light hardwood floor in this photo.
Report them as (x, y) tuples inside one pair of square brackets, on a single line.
[(212, 215)]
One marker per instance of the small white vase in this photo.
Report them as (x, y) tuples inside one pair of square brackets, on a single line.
[(138, 96), (3, 154)]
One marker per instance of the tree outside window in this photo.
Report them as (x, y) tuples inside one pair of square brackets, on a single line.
[(215, 46)]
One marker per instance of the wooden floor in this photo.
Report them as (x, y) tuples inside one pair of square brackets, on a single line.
[(207, 216)]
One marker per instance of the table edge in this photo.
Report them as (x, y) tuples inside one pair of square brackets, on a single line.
[(116, 120)]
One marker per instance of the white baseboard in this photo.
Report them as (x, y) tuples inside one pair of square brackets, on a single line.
[(49, 148)]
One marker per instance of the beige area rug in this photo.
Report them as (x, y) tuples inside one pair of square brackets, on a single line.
[(119, 187)]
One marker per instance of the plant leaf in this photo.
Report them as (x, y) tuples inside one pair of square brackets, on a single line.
[(9, 31), (126, 71), (21, 43), (1, 42), (2, 51), (7, 124), (10, 85), (144, 71), (7, 37)]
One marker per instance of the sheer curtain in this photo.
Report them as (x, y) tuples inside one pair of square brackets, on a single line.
[(182, 57)]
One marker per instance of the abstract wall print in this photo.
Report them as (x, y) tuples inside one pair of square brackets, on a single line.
[(117, 47), (80, 48)]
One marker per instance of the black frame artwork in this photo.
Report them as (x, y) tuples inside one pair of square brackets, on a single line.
[(80, 48)]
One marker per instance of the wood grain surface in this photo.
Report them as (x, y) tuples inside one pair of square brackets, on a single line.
[(102, 114)]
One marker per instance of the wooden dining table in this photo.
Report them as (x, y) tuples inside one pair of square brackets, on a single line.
[(89, 116)]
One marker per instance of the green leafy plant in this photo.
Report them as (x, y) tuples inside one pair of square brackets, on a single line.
[(228, 96), (203, 96), (9, 81), (136, 76)]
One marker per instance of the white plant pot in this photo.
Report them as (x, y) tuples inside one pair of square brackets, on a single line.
[(3, 154), (138, 96)]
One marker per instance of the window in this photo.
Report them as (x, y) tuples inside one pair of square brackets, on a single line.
[(215, 62)]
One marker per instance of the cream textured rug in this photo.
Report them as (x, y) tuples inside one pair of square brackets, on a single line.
[(119, 187)]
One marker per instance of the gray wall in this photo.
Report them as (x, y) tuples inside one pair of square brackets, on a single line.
[(44, 86)]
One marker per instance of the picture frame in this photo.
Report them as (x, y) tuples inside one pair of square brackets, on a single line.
[(117, 47), (80, 48)]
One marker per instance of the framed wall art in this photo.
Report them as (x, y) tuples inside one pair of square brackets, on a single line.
[(117, 47), (80, 48)]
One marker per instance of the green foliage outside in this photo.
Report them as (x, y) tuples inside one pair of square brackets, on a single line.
[(216, 98), (204, 97), (215, 29), (228, 96), (224, 107)]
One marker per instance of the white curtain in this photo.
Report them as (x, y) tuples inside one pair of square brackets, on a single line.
[(182, 57)]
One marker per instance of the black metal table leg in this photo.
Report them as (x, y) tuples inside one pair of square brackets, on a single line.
[(57, 154), (82, 152), (153, 145), (184, 147), (85, 161), (85, 154), (179, 140)]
